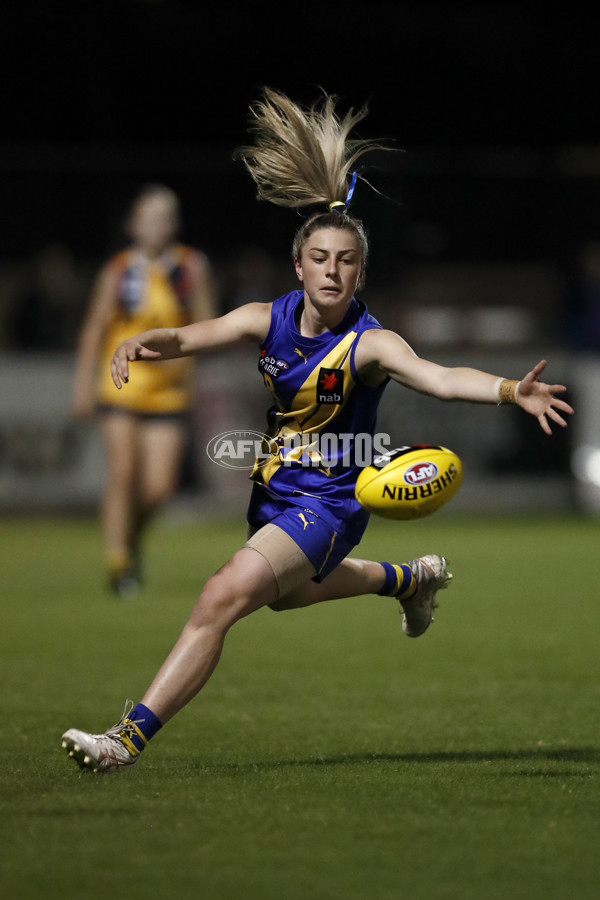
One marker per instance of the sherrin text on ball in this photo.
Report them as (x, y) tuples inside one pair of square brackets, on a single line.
[(409, 482)]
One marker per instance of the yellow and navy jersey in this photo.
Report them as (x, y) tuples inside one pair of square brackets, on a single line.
[(149, 294), (321, 411)]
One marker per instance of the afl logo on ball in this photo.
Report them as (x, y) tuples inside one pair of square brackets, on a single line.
[(421, 473)]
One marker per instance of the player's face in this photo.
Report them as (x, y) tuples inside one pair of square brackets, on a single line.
[(153, 223), (329, 267)]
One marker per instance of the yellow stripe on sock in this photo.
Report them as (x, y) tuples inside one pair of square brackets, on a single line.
[(126, 740), (411, 587), (399, 579)]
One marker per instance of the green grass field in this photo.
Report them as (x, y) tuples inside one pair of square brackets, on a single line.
[(329, 756)]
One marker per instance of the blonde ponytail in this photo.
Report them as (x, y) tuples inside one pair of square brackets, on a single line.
[(302, 157)]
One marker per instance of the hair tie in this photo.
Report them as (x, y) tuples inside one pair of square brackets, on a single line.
[(350, 190), (334, 207)]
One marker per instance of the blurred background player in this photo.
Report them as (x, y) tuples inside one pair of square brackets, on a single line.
[(155, 282)]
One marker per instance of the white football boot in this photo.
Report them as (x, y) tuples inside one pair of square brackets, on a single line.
[(103, 752), (431, 575)]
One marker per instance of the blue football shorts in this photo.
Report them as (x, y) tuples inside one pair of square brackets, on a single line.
[(319, 542)]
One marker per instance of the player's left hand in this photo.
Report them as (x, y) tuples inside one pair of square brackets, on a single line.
[(540, 400)]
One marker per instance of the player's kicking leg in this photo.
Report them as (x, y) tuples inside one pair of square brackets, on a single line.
[(414, 584)]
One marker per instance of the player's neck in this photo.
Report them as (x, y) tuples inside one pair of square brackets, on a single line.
[(315, 320), (151, 254)]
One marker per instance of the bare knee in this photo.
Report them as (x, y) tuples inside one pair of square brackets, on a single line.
[(214, 607), (153, 498), (231, 594)]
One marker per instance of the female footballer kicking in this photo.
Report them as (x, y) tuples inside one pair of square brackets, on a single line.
[(325, 362)]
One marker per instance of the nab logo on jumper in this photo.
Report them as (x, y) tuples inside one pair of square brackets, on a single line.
[(330, 385)]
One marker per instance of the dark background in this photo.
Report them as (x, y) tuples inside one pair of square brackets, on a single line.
[(493, 108), (146, 70)]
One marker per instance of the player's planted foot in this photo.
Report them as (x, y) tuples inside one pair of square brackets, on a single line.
[(429, 575), (125, 585), (123, 577), (119, 746)]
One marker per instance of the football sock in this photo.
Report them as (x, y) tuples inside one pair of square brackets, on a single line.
[(399, 581), (138, 727), (117, 562)]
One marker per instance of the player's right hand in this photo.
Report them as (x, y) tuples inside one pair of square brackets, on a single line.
[(128, 351)]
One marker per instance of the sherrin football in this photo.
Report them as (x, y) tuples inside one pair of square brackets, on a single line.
[(409, 482)]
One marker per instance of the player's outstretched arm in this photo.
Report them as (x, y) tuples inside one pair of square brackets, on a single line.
[(386, 353), (246, 324)]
